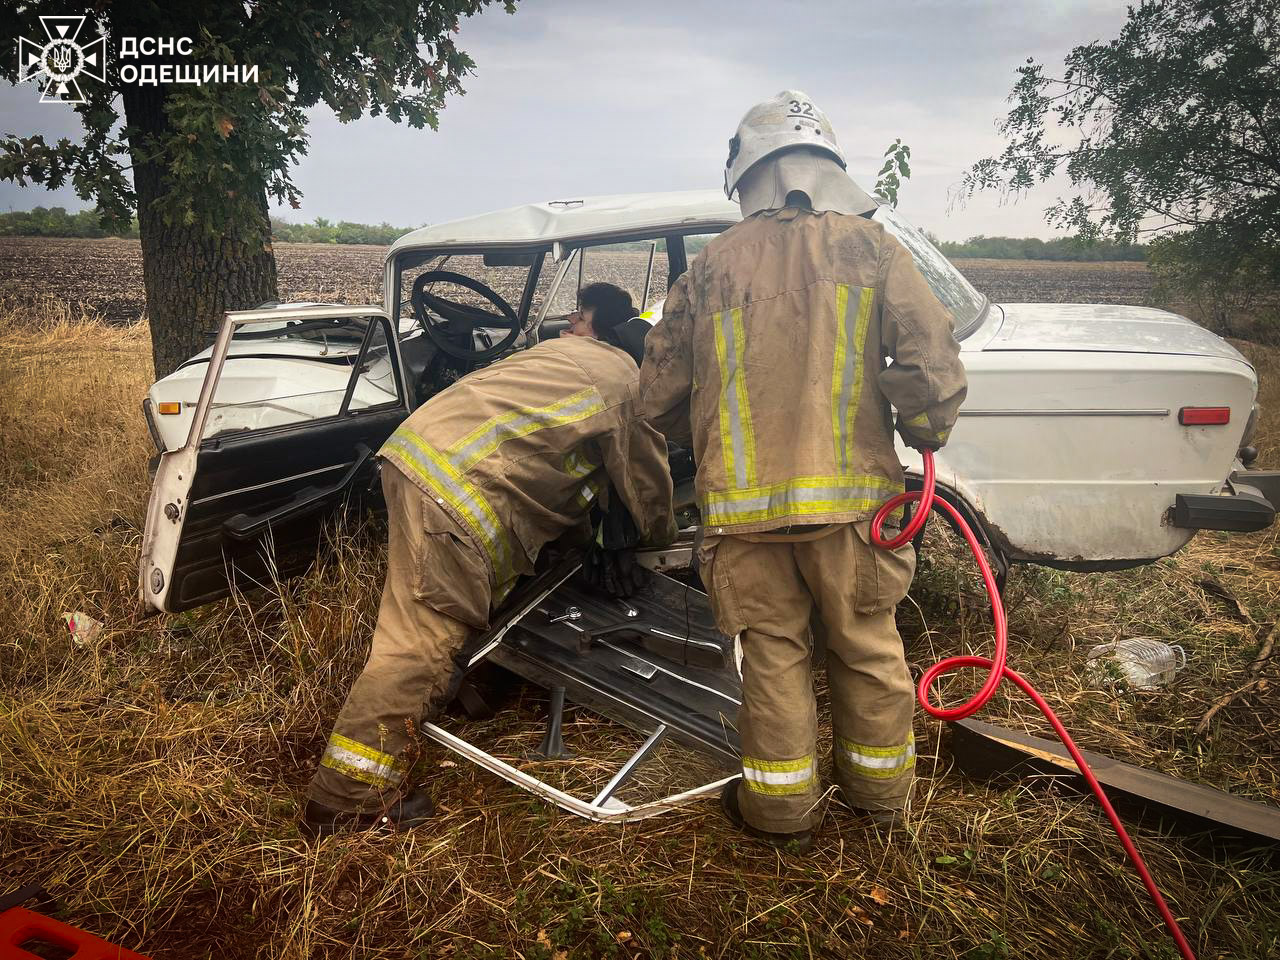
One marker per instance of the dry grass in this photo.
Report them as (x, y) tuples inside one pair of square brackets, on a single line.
[(152, 781)]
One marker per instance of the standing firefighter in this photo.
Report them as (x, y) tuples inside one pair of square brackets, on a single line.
[(477, 480), (771, 358)]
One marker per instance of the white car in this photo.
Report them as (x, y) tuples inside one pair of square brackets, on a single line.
[(1093, 436)]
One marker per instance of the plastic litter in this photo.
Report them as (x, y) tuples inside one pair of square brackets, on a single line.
[(1142, 662), (83, 628)]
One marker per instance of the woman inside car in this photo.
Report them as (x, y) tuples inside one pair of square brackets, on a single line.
[(607, 313)]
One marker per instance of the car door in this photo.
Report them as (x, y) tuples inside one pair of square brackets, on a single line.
[(294, 405)]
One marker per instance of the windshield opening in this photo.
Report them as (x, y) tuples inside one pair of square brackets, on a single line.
[(637, 266)]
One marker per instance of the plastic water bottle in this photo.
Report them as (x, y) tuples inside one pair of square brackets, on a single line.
[(1144, 663)]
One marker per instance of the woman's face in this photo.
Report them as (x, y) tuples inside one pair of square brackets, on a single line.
[(580, 323)]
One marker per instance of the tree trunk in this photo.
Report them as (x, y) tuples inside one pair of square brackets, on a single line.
[(191, 277)]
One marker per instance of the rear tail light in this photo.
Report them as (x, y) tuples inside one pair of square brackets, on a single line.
[(1204, 416)]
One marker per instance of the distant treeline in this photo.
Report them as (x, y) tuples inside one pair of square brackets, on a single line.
[(1033, 248), (324, 231), (57, 222)]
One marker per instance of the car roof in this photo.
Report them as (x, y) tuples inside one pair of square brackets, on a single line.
[(578, 219)]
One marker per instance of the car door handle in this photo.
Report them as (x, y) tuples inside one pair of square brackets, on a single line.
[(245, 526)]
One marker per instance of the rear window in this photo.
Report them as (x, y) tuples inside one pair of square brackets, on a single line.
[(948, 284)]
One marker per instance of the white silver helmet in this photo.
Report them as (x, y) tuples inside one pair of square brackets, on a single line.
[(783, 122)]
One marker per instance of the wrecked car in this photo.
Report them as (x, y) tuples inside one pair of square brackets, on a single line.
[(1093, 437)]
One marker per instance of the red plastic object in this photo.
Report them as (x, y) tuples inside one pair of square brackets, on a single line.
[(19, 927)]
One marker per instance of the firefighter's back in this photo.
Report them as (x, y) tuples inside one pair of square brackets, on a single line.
[(511, 451), (789, 422)]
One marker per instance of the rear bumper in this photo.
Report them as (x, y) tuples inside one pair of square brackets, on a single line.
[(1247, 504)]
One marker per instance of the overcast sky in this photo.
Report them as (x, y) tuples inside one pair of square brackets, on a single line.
[(579, 97)]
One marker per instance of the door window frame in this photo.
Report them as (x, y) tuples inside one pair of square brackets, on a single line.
[(221, 351)]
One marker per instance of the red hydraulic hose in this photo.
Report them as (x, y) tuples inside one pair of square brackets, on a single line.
[(997, 671)]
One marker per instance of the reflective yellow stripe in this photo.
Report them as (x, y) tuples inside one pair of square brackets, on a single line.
[(847, 371), (778, 778), (878, 763), (746, 424), (737, 432), (589, 493), (360, 762), (919, 424), (578, 467), (521, 422), (416, 455), (800, 497)]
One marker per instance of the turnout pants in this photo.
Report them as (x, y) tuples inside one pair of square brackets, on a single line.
[(436, 596), (770, 592)]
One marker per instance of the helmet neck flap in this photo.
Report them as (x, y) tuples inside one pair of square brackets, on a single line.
[(815, 173)]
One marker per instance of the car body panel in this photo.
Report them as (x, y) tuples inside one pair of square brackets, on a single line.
[(1105, 327), (589, 219), (243, 499), (1077, 458)]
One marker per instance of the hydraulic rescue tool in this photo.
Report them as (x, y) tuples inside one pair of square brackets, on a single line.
[(998, 671)]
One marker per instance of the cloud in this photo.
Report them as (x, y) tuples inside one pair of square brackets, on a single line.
[(573, 98)]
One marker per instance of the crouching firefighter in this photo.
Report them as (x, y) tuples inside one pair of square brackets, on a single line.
[(770, 359), (477, 481)]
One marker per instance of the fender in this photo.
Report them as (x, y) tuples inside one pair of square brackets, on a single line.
[(976, 521)]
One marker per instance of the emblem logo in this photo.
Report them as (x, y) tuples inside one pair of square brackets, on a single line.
[(61, 59)]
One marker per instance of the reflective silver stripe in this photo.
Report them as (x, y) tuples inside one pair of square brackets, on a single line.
[(778, 777), (788, 499), (577, 465), (852, 359), (730, 393), (361, 763), (571, 410), (878, 762)]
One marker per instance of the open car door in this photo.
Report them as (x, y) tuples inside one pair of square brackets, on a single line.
[(294, 405)]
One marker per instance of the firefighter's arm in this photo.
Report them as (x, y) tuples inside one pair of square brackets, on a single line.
[(666, 376), (926, 382), (635, 457)]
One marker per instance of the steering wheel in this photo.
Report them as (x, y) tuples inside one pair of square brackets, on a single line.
[(452, 317)]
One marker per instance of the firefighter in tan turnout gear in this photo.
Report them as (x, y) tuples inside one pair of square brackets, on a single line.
[(771, 361), (477, 480)]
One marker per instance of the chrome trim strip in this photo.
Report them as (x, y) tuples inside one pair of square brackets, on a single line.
[(1083, 412), (611, 810), (524, 611), (625, 771), (685, 680), (272, 483)]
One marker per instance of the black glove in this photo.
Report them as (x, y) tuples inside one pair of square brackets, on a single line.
[(610, 564), (613, 572)]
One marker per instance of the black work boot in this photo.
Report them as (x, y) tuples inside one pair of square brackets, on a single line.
[(799, 842), (403, 813)]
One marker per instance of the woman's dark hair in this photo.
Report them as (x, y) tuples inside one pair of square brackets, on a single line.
[(613, 309), (612, 306)]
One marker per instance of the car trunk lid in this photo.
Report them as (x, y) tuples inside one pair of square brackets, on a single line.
[(1106, 328)]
